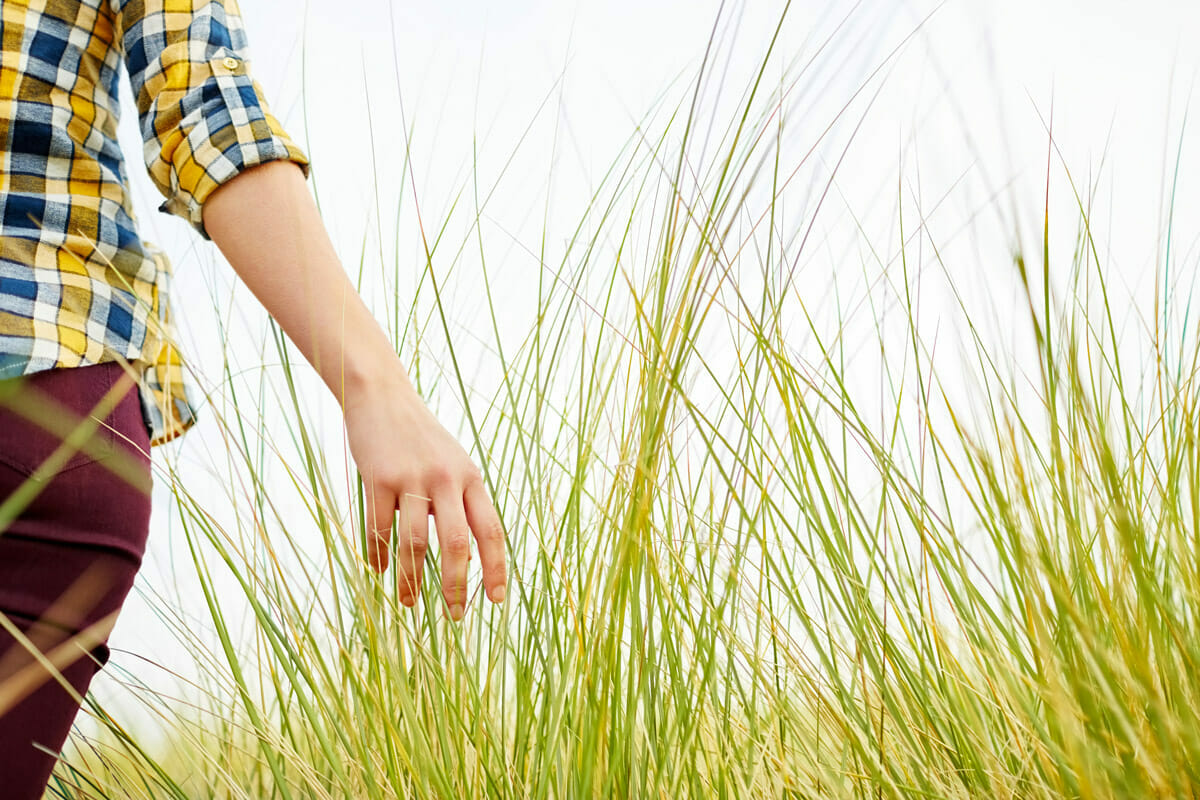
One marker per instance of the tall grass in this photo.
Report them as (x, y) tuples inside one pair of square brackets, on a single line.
[(737, 573)]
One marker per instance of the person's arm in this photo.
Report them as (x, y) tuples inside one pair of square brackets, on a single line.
[(224, 163), (266, 224)]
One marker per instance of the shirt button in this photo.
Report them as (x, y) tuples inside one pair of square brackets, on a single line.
[(230, 62)]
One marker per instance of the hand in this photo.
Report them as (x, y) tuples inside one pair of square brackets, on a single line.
[(268, 226), (411, 464)]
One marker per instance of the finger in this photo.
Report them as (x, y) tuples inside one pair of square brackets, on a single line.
[(411, 548), (455, 544), (381, 512), (489, 534)]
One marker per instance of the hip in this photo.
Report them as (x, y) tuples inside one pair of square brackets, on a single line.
[(74, 458)]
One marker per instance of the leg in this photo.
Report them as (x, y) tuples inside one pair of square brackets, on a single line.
[(67, 563), (68, 589)]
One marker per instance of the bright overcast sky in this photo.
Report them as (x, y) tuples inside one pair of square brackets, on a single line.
[(966, 92), (478, 74)]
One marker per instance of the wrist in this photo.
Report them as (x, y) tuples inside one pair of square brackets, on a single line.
[(367, 372)]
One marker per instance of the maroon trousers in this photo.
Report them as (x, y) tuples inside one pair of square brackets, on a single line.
[(69, 557)]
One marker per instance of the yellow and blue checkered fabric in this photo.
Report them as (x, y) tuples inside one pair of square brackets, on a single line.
[(77, 285)]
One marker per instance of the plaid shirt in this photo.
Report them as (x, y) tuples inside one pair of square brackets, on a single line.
[(77, 285)]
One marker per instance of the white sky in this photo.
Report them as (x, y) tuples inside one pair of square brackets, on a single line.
[(964, 95)]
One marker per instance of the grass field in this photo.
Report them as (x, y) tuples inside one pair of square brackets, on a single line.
[(754, 552)]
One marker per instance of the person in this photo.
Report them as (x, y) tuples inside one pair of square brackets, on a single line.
[(89, 377)]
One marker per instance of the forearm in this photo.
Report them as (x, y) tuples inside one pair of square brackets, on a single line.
[(267, 225)]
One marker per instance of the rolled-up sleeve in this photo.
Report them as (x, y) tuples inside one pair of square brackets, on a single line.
[(203, 117)]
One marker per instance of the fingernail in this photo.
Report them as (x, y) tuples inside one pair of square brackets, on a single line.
[(498, 594), (456, 612), (408, 600)]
